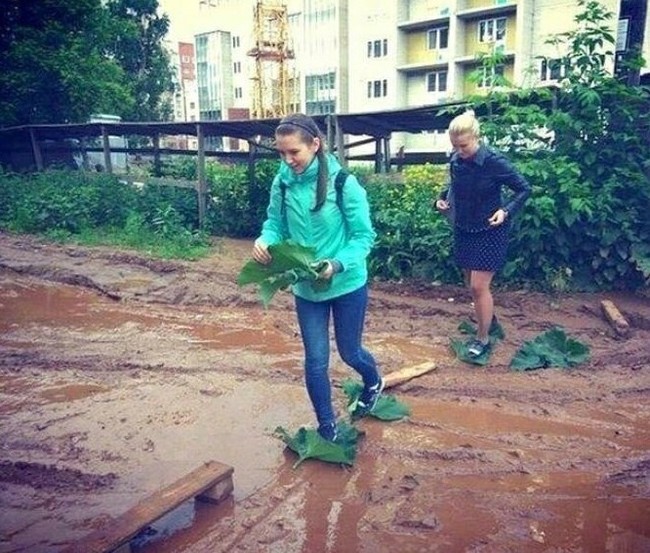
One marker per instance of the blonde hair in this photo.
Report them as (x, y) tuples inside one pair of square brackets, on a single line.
[(465, 123)]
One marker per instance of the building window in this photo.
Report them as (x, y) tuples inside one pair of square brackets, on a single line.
[(552, 69), (622, 34), (377, 48), (437, 81), (438, 38), (377, 89), (192, 105), (320, 93), (235, 42), (492, 30), (490, 76), (238, 92), (237, 67)]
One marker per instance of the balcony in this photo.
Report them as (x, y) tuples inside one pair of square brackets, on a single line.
[(481, 8)]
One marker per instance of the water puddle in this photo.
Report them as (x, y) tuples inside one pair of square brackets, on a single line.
[(457, 477)]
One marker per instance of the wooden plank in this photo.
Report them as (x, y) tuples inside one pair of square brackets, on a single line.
[(408, 373), (212, 480), (615, 317)]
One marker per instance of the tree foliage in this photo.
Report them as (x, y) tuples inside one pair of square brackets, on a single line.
[(137, 38), (63, 60)]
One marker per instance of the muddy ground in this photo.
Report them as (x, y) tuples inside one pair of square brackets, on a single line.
[(120, 374)]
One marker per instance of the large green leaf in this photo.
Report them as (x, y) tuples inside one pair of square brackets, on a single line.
[(388, 408), (553, 348), (290, 263), (307, 443), (460, 349), (496, 330)]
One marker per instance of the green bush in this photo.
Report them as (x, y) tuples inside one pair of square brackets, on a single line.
[(413, 240), (238, 200), (63, 200)]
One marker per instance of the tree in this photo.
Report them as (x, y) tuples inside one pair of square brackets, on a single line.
[(137, 45), (52, 65), (63, 60)]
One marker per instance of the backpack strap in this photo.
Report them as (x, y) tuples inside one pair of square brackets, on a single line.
[(283, 196), (339, 182)]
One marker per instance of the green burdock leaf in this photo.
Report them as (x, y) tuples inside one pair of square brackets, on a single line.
[(496, 331), (553, 348), (307, 443), (388, 408), (290, 263), (460, 349)]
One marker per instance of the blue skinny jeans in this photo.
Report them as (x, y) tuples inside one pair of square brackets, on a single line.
[(348, 312)]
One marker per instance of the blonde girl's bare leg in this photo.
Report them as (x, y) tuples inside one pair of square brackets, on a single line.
[(479, 284)]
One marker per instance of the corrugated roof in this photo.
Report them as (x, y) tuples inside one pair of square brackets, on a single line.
[(375, 124)]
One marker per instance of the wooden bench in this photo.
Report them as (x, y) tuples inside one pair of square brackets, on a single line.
[(210, 482)]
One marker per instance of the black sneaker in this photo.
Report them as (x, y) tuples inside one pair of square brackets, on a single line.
[(328, 431), (476, 348), (368, 399)]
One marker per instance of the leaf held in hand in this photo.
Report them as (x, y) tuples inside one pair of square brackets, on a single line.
[(290, 263)]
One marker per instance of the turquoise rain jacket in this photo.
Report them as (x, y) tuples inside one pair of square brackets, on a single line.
[(344, 234)]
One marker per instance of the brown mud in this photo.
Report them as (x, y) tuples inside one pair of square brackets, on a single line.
[(120, 374)]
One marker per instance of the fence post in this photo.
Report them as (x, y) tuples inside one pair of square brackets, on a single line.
[(330, 133), (200, 173), (85, 162), (340, 143), (156, 155), (387, 159), (378, 155), (108, 163), (36, 149)]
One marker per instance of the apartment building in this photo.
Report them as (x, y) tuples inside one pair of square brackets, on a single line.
[(372, 55)]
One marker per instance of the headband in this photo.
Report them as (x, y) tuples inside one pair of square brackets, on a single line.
[(300, 126)]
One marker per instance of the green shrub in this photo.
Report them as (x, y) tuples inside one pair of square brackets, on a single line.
[(238, 200)]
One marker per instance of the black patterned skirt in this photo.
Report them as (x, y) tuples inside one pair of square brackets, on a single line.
[(481, 251)]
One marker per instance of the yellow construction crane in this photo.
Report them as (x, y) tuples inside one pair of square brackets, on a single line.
[(274, 84)]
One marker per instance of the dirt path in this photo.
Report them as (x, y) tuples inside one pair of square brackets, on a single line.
[(119, 374)]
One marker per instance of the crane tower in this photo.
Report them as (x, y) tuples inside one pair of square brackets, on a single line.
[(274, 84)]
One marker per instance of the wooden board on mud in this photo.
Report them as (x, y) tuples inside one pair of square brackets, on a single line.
[(407, 373), (211, 482)]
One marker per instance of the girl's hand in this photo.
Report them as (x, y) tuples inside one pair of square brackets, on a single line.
[(442, 205), (498, 218), (261, 252), (326, 269)]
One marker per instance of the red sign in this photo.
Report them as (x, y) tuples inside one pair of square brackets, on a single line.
[(186, 57)]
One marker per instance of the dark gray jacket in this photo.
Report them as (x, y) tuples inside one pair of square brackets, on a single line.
[(476, 186)]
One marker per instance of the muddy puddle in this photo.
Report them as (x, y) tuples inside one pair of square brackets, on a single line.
[(104, 402)]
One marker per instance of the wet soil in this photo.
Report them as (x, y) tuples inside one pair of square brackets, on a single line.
[(120, 374)]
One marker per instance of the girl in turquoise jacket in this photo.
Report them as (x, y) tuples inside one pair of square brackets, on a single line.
[(303, 207)]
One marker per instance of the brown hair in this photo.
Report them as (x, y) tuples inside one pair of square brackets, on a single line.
[(306, 128)]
